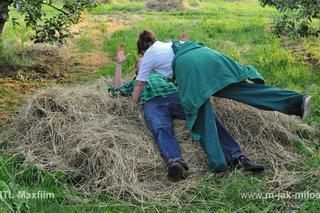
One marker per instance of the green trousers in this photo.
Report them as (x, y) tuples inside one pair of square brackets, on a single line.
[(257, 95)]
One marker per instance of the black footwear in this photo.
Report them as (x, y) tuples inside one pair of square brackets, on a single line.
[(221, 173), (177, 171), (246, 164), (219, 170)]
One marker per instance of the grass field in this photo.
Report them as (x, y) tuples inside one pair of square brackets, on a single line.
[(241, 29)]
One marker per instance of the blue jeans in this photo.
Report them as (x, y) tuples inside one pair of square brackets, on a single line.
[(160, 112)]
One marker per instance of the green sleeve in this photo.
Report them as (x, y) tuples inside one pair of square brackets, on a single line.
[(124, 90)]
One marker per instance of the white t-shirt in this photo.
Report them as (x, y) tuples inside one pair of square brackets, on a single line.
[(158, 57)]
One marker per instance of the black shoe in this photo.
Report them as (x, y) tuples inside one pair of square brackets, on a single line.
[(220, 170), (246, 164), (221, 173), (177, 171)]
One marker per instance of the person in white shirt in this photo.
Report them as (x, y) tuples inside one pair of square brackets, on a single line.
[(156, 55)]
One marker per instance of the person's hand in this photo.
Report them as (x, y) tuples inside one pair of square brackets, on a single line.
[(120, 54), (184, 37)]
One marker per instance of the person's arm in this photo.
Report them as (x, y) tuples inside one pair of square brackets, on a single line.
[(118, 70), (117, 76), (137, 91), (145, 68)]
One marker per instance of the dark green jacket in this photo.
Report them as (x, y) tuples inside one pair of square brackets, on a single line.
[(200, 72)]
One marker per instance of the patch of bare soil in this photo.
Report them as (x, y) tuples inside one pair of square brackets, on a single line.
[(12, 92), (87, 62), (299, 50), (97, 28)]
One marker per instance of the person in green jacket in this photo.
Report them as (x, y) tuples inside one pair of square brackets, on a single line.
[(201, 72)]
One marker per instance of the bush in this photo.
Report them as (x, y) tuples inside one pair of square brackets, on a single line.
[(297, 16), (8, 56)]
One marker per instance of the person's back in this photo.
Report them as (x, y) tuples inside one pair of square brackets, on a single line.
[(157, 57)]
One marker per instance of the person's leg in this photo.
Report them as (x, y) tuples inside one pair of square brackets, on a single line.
[(176, 106), (265, 97), (159, 120), (206, 125), (229, 145), (232, 151)]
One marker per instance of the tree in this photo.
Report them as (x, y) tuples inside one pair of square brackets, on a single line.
[(297, 15), (47, 27), (4, 14)]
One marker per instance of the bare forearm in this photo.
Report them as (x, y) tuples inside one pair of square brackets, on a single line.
[(117, 76), (137, 90)]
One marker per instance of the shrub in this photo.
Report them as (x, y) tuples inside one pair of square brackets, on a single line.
[(297, 16)]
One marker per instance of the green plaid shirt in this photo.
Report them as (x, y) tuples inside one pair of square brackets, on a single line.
[(157, 85)]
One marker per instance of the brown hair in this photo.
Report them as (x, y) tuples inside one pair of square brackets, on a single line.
[(146, 39)]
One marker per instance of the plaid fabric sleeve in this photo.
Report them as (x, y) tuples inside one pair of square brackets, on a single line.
[(124, 90), (159, 85)]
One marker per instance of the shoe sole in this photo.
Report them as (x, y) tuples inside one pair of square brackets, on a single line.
[(260, 169), (253, 168), (306, 107), (239, 166), (176, 172)]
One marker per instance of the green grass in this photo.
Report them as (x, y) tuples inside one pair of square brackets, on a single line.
[(18, 34), (15, 179), (84, 44), (240, 29), (211, 194)]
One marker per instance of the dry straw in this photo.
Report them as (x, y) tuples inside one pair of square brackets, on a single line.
[(165, 5), (106, 141)]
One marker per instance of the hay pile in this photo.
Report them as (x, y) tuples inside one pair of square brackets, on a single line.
[(106, 141), (165, 5)]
